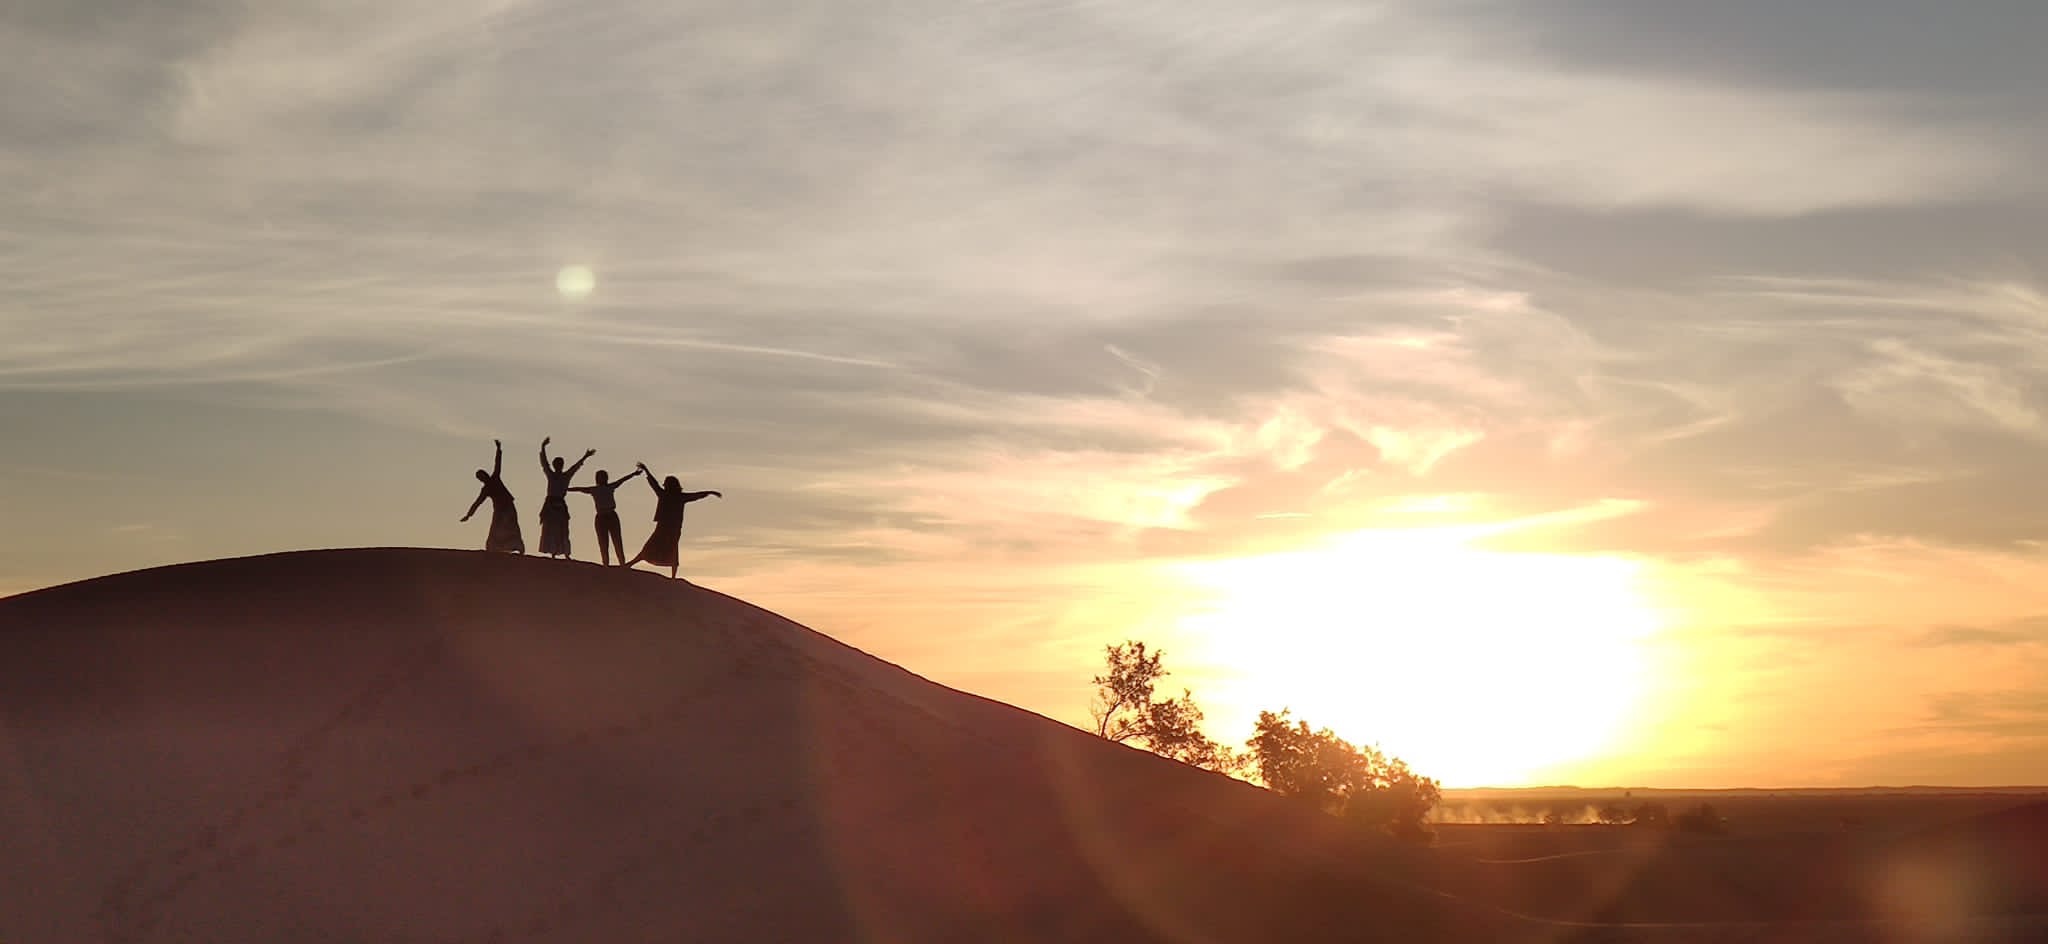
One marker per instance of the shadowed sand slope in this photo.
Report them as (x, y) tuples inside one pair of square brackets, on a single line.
[(1994, 863), (415, 745)]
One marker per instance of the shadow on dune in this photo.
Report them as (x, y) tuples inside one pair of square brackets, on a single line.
[(1996, 863)]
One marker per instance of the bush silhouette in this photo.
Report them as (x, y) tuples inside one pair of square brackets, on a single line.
[(1361, 784), (1703, 819)]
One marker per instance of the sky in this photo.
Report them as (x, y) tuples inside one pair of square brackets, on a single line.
[(1551, 391)]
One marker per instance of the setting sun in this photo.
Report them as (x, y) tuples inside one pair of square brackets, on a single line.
[(1478, 667)]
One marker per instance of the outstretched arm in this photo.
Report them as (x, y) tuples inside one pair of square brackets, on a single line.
[(497, 462), (587, 453), (584, 488), (544, 453), (473, 506), (621, 480), (698, 496), (642, 467)]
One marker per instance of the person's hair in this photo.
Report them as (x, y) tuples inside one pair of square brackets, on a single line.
[(558, 463), (672, 483), (482, 476), (603, 476)]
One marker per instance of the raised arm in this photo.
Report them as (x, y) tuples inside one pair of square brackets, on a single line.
[(544, 453), (473, 506), (497, 463), (587, 453), (699, 496), (623, 479), (642, 467)]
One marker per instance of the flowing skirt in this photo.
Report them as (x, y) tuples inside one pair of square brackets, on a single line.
[(661, 547), (504, 534), (554, 526)]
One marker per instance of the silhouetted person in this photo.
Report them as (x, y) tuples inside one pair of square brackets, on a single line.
[(554, 512), (504, 534), (608, 536), (664, 546)]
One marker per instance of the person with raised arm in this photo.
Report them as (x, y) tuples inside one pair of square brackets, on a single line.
[(608, 535), (664, 546), (554, 512), (504, 534)]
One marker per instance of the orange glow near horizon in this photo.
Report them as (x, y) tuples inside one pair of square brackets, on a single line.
[(1480, 668)]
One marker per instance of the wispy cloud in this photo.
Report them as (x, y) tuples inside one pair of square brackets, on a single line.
[(2032, 631), (1057, 283)]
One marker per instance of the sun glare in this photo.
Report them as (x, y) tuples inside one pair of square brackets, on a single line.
[(1480, 668), (575, 281)]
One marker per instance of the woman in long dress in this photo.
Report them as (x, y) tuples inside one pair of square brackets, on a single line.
[(663, 547), (554, 512), (504, 534)]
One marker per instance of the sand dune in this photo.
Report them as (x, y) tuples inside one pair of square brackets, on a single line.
[(443, 746)]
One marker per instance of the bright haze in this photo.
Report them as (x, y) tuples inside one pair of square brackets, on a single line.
[(1551, 391)]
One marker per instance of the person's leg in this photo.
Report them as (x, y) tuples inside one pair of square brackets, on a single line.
[(604, 551)]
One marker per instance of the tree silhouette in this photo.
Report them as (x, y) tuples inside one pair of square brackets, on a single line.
[(1123, 696), (1361, 784), (1126, 712)]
